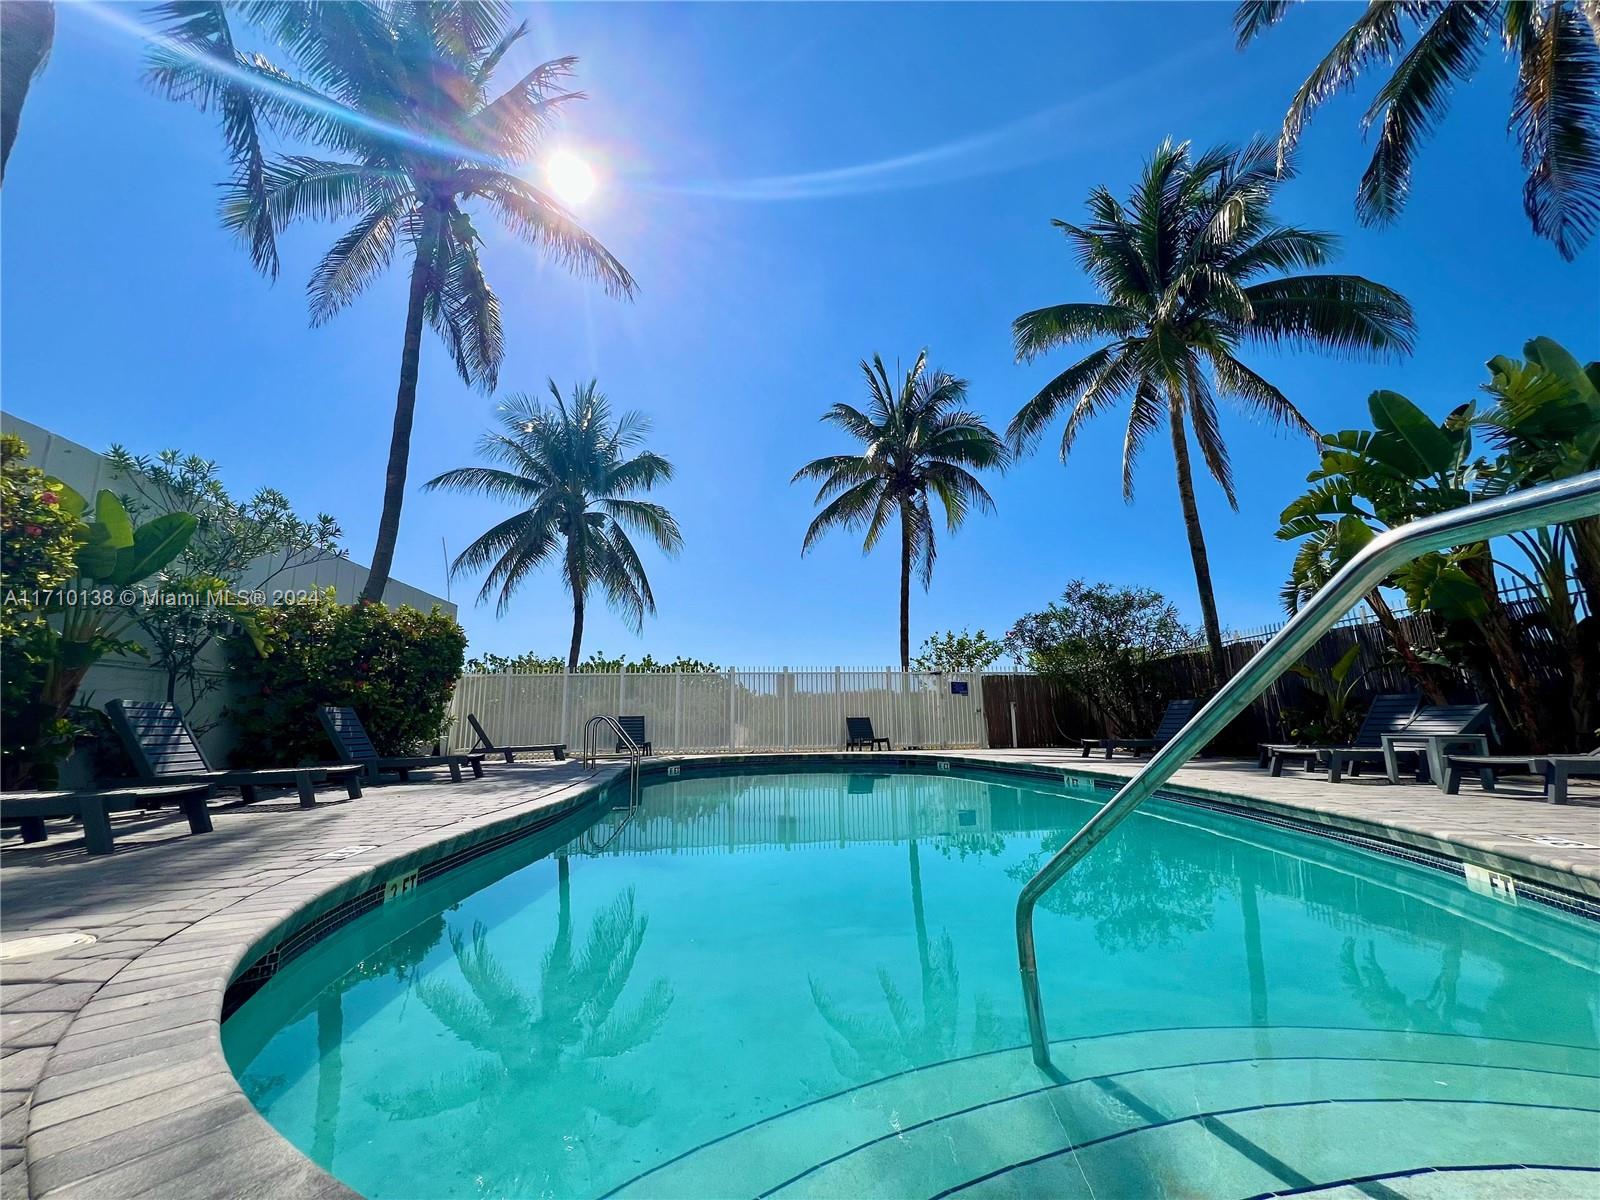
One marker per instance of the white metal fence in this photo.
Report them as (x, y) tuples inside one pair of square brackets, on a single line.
[(729, 710)]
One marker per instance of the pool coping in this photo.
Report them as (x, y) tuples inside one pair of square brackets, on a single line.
[(208, 1138)]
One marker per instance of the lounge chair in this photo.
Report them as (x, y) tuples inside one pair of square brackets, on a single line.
[(1429, 736), (1444, 721), (1174, 719), (350, 739), (1555, 769), (1389, 713), (858, 735), (29, 809), (634, 728), (165, 750), (482, 742)]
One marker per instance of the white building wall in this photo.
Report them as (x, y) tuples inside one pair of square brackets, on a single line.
[(132, 678)]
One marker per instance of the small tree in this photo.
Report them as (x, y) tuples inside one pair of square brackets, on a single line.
[(958, 653), (1098, 641), (236, 544)]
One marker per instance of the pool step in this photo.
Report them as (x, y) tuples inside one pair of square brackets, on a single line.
[(1227, 1112)]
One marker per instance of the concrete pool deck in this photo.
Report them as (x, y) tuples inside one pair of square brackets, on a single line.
[(112, 1073)]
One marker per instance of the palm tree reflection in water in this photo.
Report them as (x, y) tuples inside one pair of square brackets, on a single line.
[(540, 1084), (868, 1047)]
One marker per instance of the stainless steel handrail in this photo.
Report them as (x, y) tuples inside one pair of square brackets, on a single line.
[(591, 751), (1550, 504)]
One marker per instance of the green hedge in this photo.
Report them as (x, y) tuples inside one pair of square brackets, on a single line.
[(395, 667)]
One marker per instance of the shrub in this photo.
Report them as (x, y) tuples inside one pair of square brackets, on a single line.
[(396, 667), (39, 539)]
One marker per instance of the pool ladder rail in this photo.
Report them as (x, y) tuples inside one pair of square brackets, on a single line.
[(1549, 504), (591, 752)]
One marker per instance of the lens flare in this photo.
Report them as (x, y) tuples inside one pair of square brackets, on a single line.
[(570, 178)]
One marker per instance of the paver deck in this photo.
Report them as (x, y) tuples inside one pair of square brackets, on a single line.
[(112, 1073)]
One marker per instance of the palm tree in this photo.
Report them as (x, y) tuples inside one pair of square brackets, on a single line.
[(1190, 269), (402, 94), (1432, 45), (569, 466), (917, 440), (27, 32)]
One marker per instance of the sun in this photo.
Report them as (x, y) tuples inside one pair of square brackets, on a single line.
[(570, 178)]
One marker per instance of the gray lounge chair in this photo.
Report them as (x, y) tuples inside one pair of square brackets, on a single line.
[(350, 739), (1555, 769), (30, 809), (1174, 719), (165, 750), (858, 735), (634, 728), (1389, 713), (1429, 736), (1447, 720), (481, 741)]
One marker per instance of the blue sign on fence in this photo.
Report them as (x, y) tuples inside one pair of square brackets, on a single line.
[(958, 688)]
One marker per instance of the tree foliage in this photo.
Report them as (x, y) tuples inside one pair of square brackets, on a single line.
[(1431, 47), (396, 667), (958, 653), (404, 134), (1192, 269), (1098, 640), (573, 471), (919, 440)]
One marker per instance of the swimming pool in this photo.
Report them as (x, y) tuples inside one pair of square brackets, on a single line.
[(805, 984)]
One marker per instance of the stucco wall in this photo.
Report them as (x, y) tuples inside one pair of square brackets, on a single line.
[(132, 678)]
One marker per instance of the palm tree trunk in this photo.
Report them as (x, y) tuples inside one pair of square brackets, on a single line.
[(577, 632), (25, 40), (1419, 671), (905, 589), (1197, 544), (405, 407)]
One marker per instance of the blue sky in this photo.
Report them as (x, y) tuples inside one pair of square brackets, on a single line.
[(794, 186)]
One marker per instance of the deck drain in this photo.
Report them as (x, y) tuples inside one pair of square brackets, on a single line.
[(43, 943)]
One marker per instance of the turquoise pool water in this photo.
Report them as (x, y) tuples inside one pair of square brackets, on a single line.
[(806, 984)]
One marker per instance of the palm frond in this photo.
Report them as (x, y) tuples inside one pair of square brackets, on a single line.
[(540, 221), (1342, 313), (1413, 99), (1047, 328), (1556, 115)]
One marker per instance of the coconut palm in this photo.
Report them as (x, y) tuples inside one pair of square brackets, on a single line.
[(918, 439), (402, 94), (1192, 269), (1432, 45), (569, 468), (27, 32)]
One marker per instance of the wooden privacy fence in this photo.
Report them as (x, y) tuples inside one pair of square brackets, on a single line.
[(727, 710)]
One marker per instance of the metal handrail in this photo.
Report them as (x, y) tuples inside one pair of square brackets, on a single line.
[(591, 751), (1549, 504)]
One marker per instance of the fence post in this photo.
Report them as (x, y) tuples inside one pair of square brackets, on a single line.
[(677, 711), (732, 688), (783, 707), (622, 689), (566, 710)]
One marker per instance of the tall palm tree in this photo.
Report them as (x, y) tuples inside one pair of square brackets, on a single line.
[(402, 94), (568, 466), (918, 439), (1434, 44), (27, 31), (1192, 268)]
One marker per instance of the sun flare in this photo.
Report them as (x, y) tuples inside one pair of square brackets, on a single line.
[(570, 177)]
